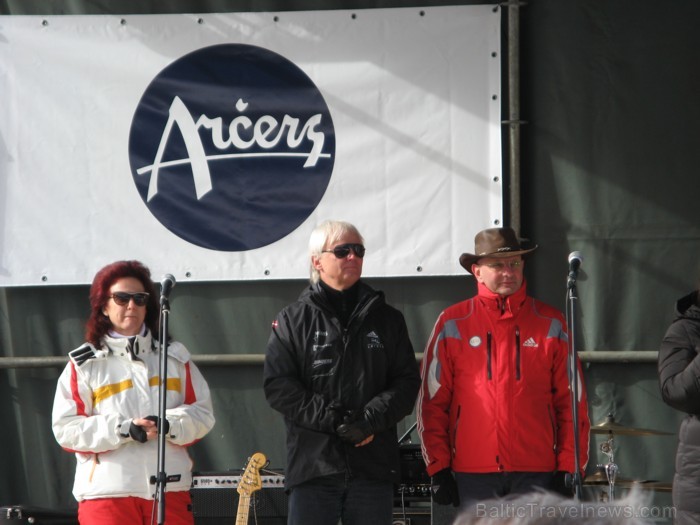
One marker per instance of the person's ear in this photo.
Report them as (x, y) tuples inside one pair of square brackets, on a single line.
[(476, 272)]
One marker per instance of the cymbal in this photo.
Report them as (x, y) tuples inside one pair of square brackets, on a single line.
[(609, 426), (658, 486), (599, 478)]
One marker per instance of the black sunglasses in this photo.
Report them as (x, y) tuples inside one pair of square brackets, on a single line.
[(123, 298), (343, 250)]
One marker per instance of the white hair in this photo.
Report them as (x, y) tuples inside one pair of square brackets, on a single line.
[(548, 508), (325, 234)]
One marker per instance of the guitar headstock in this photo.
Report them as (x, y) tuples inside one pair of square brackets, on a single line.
[(250, 480)]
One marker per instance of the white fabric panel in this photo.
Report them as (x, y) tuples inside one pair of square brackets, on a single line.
[(414, 96)]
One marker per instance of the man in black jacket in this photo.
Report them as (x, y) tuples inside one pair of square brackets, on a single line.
[(341, 369)]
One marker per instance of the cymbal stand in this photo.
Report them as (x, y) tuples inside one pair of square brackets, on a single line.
[(611, 468)]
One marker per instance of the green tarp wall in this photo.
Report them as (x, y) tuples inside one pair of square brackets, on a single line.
[(610, 150)]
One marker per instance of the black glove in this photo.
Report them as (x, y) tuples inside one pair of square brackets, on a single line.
[(166, 426), (354, 430), (563, 483), (444, 488), (336, 413), (137, 433)]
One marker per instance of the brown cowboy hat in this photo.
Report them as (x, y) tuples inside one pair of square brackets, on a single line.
[(493, 242)]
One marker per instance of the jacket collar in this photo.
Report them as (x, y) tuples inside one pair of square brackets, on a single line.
[(508, 306), (136, 345)]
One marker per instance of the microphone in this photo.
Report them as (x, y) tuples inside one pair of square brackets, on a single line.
[(575, 260), (167, 283)]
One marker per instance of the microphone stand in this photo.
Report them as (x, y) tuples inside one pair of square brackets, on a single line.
[(572, 299), (161, 478)]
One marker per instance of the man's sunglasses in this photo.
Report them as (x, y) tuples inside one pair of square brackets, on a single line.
[(343, 250), (123, 298)]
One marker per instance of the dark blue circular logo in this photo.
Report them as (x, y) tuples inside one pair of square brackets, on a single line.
[(232, 147)]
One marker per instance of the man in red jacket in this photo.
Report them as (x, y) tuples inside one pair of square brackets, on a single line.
[(495, 409)]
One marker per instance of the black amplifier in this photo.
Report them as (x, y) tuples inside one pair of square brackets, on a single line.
[(415, 482), (215, 496), (38, 515)]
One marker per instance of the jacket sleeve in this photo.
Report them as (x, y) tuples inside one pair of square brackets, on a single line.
[(398, 397), (74, 425), (434, 399), (194, 417), (562, 397), (679, 369), (283, 386)]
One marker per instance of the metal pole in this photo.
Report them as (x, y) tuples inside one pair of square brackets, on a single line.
[(161, 478), (600, 356), (573, 387), (514, 121)]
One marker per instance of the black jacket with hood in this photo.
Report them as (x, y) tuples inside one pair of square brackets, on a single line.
[(317, 370), (679, 378)]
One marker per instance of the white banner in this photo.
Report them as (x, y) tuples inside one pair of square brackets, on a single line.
[(209, 146)]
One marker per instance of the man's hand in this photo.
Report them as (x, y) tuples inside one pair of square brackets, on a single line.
[(357, 431), (563, 483), (365, 441), (336, 413), (444, 488)]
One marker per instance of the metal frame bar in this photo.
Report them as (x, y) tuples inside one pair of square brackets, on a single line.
[(600, 356)]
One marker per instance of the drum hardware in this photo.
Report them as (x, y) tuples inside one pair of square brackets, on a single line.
[(608, 472), (610, 426), (600, 478), (610, 468)]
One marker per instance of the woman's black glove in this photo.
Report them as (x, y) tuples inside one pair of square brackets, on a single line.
[(137, 433), (444, 488), (166, 425)]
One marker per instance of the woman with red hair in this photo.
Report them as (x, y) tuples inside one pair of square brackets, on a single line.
[(107, 400)]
